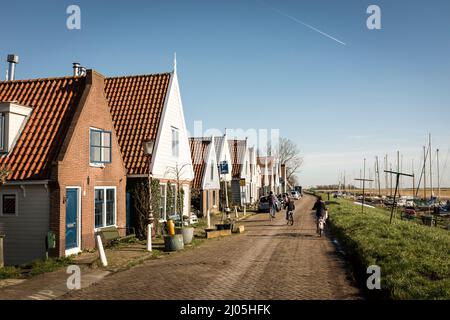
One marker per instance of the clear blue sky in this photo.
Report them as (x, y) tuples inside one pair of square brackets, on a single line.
[(243, 64)]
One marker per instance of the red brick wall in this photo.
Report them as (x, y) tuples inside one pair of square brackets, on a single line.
[(73, 168), (209, 194)]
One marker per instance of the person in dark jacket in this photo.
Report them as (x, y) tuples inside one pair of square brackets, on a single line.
[(321, 209), (289, 206)]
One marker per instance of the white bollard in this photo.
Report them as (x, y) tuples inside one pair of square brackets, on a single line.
[(208, 219), (149, 237), (101, 251)]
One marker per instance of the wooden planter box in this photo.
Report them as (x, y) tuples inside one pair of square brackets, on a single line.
[(217, 233)]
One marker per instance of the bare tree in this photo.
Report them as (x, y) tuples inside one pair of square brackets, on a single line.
[(289, 154), (175, 173)]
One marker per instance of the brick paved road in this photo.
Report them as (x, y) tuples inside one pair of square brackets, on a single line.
[(270, 261)]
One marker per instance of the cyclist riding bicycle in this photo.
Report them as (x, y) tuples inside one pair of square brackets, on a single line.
[(321, 211), (289, 206)]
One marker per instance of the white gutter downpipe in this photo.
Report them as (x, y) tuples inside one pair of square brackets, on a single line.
[(12, 60)]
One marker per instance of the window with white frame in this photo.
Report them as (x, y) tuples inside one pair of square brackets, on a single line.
[(105, 206), (100, 146), (9, 204), (175, 142)]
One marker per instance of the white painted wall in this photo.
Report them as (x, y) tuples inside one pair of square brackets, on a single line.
[(226, 156), (173, 116), (211, 166)]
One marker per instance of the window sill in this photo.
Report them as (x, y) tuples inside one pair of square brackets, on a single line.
[(100, 228), (97, 165)]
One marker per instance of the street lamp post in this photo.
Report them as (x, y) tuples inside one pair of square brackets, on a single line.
[(148, 150)]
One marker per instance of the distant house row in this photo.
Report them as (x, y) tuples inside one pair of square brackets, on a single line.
[(248, 176), (72, 149)]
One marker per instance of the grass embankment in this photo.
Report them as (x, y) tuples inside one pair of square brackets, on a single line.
[(34, 268), (414, 259)]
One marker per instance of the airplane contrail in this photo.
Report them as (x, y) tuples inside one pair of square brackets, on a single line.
[(306, 25)]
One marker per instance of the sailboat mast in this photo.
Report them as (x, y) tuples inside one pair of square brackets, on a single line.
[(385, 174), (391, 179), (378, 175), (438, 177), (431, 166), (414, 179), (424, 173)]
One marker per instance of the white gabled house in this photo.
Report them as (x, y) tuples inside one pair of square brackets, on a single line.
[(240, 183), (270, 175), (206, 176), (253, 176), (223, 155), (149, 107)]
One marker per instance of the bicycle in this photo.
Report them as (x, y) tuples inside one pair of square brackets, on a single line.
[(290, 218), (321, 224)]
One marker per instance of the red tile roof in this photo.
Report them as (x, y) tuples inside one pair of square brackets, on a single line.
[(53, 101), (136, 104), (262, 161), (199, 155), (237, 153)]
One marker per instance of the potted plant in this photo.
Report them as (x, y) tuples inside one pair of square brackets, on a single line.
[(226, 224), (173, 242)]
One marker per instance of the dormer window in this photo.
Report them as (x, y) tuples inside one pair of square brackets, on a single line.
[(13, 118)]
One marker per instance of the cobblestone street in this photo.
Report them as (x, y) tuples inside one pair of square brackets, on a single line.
[(269, 261)]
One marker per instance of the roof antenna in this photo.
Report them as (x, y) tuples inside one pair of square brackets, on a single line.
[(175, 62)]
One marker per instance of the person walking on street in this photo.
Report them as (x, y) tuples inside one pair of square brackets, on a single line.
[(321, 211), (272, 204)]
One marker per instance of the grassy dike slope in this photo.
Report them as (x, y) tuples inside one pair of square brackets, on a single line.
[(414, 259)]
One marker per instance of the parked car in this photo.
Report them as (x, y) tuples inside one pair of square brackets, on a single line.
[(281, 199), (263, 205), (298, 189), (295, 195)]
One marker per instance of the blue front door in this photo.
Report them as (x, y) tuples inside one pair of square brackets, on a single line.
[(71, 218)]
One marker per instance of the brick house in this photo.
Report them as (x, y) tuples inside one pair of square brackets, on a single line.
[(67, 175), (206, 175), (149, 107)]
